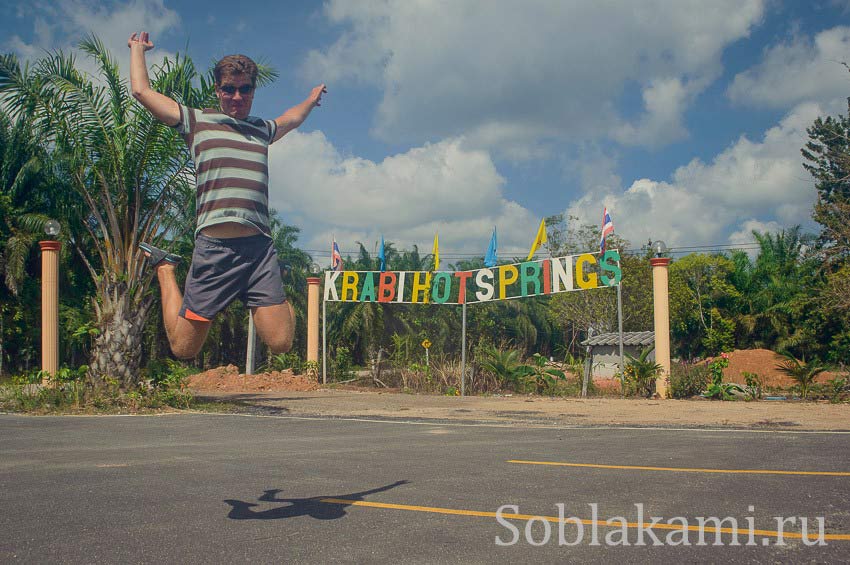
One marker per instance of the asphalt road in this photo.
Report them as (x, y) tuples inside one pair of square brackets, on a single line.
[(195, 488)]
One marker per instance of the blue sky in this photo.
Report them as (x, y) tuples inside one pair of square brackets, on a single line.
[(684, 118)]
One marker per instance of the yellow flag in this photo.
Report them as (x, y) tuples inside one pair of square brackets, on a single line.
[(539, 240), (436, 254)]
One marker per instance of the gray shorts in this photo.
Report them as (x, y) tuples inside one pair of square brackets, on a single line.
[(223, 270)]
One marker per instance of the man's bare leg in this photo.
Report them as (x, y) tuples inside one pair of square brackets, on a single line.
[(186, 337), (275, 325)]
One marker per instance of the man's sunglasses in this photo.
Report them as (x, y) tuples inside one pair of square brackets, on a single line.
[(230, 90)]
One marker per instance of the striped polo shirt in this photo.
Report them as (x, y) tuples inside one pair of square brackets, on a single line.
[(231, 166)]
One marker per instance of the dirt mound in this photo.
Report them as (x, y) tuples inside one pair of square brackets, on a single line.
[(228, 379), (762, 362)]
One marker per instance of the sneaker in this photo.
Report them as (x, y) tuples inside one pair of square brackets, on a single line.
[(157, 255)]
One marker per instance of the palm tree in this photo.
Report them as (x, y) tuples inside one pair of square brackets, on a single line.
[(24, 181), (23, 184), (802, 372), (505, 364), (781, 284), (642, 371), (131, 173)]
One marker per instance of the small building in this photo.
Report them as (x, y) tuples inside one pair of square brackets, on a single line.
[(604, 350)]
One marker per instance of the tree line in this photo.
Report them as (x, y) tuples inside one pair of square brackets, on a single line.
[(82, 151)]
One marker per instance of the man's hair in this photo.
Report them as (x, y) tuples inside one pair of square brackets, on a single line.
[(235, 65)]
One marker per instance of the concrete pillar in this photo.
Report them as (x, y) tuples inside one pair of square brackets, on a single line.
[(313, 318), (49, 306), (662, 322)]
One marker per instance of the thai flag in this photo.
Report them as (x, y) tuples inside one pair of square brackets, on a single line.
[(336, 258), (607, 228)]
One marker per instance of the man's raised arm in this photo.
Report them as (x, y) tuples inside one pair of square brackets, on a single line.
[(162, 107), (296, 115)]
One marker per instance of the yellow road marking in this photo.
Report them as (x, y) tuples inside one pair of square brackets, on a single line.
[(684, 469), (556, 520)]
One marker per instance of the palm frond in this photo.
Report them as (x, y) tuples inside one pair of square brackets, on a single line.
[(15, 254), (119, 99)]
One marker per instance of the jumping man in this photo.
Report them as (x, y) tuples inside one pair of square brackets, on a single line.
[(234, 256)]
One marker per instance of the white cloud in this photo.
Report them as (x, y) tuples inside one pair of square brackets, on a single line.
[(62, 24), (665, 101), (504, 73), (799, 70), (745, 234), (747, 186), (440, 187)]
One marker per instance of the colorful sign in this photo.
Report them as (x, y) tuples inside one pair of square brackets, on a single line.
[(504, 282)]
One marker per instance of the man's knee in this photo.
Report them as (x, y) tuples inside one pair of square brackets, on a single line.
[(185, 351), (276, 326), (280, 345), (187, 338)]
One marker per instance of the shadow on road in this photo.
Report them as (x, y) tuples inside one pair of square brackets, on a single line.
[(313, 507)]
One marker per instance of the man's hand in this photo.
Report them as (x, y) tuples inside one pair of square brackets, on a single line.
[(162, 107), (315, 97), (142, 38), (296, 115)]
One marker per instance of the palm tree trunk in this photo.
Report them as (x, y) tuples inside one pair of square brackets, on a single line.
[(117, 351)]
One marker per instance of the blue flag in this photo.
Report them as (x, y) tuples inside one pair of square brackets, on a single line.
[(490, 259), (381, 256)]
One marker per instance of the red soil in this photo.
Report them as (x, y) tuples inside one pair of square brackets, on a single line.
[(228, 379), (762, 362)]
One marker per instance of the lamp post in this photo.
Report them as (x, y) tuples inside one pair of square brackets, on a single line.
[(50, 299), (313, 313), (661, 310)]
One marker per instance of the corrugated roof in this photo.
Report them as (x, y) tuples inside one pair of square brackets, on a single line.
[(629, 338)]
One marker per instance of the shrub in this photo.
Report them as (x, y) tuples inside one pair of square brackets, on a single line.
[(838, 387), (754, 388), (284, 361), (504, 364), (543, 379), (171, 390), (687, 380), (717, 389), (402, 353), (311, 369), (67, 390), (640, 374), (802, 372), (342, 366)]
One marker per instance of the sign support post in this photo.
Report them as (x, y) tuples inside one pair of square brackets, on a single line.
[(324, 342), (463, 353), (620, 328), (252, 345)]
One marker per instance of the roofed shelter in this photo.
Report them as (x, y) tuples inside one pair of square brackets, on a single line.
[(604, 350)]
